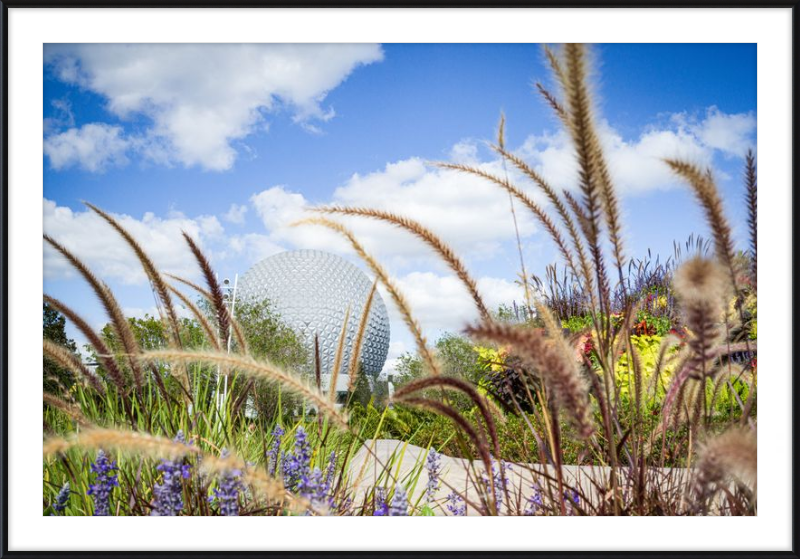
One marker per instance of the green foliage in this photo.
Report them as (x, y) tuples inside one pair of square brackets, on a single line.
[(268, 337), (577, 324), (647, 347), (53, 329), (455, 353)]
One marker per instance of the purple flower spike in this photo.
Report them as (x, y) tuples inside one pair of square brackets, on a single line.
[(572, 499), (399, 506), (169, 493), (62, 498), (433, 465), (226, 494), (381, 507), (274, 450), (456, 505), (105, 481), (297, 465), (500, 482), (534, 503)]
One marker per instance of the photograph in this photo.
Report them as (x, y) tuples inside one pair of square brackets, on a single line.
[(400, 279)]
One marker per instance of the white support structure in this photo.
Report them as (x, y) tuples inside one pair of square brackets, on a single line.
[(229, 299)]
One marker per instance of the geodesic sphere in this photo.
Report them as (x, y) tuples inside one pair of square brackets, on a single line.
[(311, 291)]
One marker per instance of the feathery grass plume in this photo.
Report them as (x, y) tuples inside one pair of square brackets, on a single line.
[(552, 327), (702, 281), (68, 360), (701, 285), (752, 210), (355, 356), (189, 283), (420, 231), (103, 352), (575, 206), (391, 287), (337, 361), (317, 364), (584, 139), (526, 200), (161, 289), (462, 386), (561, 210), (144, 444), (706, 192), (118, 321), (70, 410), (560, 111), (198, 314), (557, 368), (232, 322), (258, 369), (150, 269), (732, 454), (217, 298), (555, 65), (117, 439)]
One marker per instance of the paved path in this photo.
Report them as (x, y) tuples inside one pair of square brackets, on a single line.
[(368, 469)]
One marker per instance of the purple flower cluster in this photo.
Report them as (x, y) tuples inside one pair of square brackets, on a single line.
[(500, 483), (105, 481), (433, 465), (61, 499), (572, 499), (301, 479), (226, 494), (456, 505), (399, 506), (331, 470), (169, 493), (297, 465), (534, 503), (273, 453), (381, 506)]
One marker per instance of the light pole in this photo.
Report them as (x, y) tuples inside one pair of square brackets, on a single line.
[(229, 300)]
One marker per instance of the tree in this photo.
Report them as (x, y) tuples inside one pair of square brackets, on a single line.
[(268, 337), (455, 353), (457, 358), (53, 329)]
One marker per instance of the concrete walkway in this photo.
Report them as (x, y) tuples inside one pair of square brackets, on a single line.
[(405, 462)]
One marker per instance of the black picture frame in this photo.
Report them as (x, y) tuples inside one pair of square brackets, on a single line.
[(499, 4)]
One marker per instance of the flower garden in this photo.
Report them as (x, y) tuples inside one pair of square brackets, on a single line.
[(619, 386)]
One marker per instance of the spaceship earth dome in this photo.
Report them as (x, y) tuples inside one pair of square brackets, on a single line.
[(311, 291)]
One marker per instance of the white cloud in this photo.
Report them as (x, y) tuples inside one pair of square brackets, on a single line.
[(203, 97), (278, 207), (103, 250), (637, 165), (442, 303), (236, 214), (254, 247), (731, 134), (92, 147), (62, 118), (468, 213)]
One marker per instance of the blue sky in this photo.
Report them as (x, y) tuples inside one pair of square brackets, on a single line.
[(231, 143)]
